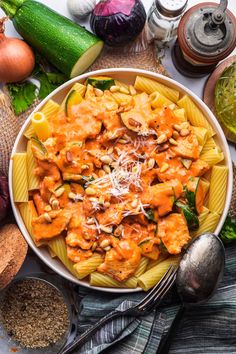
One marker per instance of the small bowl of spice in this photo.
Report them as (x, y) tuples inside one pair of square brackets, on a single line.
[(35, 317)]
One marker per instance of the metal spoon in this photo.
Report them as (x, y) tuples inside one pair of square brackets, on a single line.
[(200, 271)]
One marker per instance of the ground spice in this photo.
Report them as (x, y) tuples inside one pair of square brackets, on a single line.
[(34, 313)]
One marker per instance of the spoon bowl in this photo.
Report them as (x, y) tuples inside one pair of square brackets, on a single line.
[(201, 269)]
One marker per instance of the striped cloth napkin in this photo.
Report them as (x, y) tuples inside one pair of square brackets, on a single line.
[(208, 328)]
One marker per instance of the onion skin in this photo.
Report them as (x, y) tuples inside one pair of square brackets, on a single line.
[(118, 22), (17, 59), (4, 196)]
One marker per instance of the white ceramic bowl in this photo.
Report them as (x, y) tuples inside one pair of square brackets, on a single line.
[(127, 76)]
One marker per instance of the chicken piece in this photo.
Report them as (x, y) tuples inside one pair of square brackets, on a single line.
[(122, 261), (187, 147), (80, 234), (199, 168), (111, 216), (173, 232), (76, 254), (50, 225), (160, 196)]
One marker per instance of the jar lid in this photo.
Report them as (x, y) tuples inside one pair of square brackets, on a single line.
[(171, 8)]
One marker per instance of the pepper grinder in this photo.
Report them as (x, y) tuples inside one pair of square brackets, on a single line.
[(206, 35)]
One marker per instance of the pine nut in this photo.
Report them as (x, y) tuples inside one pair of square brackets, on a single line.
[(105, 243), (124, 90), (90, 191), (132, 90), (114, 88), (55, 204), (107, 169), (72, 195), (185, 125), (107, 248), (94, 175), (98, 92), (177, 127), (175, 134), (94, 246), (134, 203), (164, 167), (93, 200), (162, 148), (47, 217), (107, 229), (58, 193), (134, 123), (101, 200), (119, 230), (122, 141), (184, 132), (107, 204), (110, 150), (173, 141), (90, 221), (162, 139), (48, 208), (84, 167), (101, 173), (106, 159), (151, 163)]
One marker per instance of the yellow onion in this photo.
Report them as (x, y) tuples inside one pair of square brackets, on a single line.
[(16, 57)]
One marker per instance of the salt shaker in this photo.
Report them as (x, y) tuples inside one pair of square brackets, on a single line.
[(163, 19)]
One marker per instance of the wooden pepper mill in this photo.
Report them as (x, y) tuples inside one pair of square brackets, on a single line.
[(206, 35)]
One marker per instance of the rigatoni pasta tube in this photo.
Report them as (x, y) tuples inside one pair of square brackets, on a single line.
[(50, 108), (28, 212), (19, 177), (212, 157), (41, 126), (158, 100), (209, 144), (149, 85), (201, 134), (58, 247), (218, 188), (153, 275), (194, 114), (84, 268), (33, 180), (98, 279), (142, 266), (209, 224), (202, 217), (122, 98), (30, 133), (180, 114)]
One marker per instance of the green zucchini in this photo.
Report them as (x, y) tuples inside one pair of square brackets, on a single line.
[(66, 45), (102, 83), (38, 146), (72, 99), (186, 163), (190, 217), (195, 194)]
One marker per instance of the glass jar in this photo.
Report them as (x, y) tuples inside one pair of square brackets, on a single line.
[(163, 19)]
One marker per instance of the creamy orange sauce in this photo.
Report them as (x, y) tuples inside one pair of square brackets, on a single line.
[(111, 185)]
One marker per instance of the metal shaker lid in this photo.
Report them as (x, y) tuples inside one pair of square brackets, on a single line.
[(171, 8), (199, 37)]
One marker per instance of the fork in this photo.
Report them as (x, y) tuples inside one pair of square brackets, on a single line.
[(144, 307)]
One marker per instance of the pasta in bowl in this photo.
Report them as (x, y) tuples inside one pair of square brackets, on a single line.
[(114, 173)]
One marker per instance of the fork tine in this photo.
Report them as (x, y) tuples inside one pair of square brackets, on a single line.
[(160, 295), (157, 288)]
